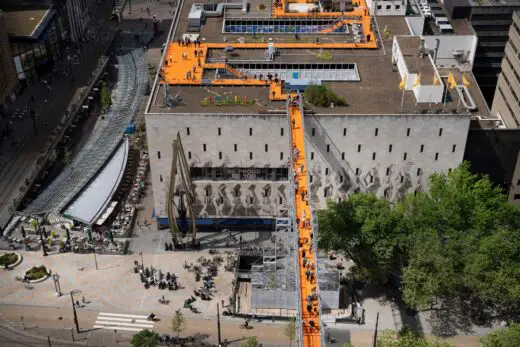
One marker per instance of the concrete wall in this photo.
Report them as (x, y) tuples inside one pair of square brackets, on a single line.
[(387, 7), (415, 24), (333, 167), (381, 171)]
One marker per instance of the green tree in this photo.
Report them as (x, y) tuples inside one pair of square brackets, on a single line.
[(457, 241), (365, 229), (503, 337), (406, 338), (106, 99), (145, 338), (178, 322), (290, 330), (322, 96), (250, 342), (461, 244)]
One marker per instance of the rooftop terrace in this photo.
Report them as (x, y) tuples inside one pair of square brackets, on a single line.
[(375, 92)]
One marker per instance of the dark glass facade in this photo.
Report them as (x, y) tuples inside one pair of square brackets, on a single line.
[(34, 58)]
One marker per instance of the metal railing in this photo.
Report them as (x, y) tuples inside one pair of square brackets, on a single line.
[(292, 217)]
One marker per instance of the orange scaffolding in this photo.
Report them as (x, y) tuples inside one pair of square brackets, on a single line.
[(306, 254)]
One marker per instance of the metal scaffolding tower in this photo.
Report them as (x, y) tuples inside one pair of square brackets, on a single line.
[(181, 196)]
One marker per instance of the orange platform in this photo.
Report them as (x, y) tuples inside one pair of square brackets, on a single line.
[(310, 318)]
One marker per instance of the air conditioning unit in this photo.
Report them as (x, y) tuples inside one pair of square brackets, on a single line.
[(458, 52)]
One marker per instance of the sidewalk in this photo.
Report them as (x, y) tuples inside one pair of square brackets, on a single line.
[(17, 162)]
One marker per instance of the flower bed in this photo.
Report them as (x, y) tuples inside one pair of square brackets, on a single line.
[(37, 273), (8, 259)]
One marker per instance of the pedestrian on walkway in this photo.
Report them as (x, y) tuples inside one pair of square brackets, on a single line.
[(83, 299), (308, 274)]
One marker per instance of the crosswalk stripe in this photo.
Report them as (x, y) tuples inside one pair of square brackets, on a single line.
[(116, 328), (102, 322), (126, 320), (122, 315)]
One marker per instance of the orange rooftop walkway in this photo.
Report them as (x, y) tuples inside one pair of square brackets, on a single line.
[(306, 254)]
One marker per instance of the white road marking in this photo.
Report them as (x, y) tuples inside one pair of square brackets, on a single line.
[(122, 315), (123, 324), (116, 328), (126, 322)]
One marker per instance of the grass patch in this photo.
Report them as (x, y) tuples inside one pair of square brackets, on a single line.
[(8, 259), (325, 55), (37, 272), (227, 102), (322, 96)]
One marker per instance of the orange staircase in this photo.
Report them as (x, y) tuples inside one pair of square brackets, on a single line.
[(335, 27), (306, 254)]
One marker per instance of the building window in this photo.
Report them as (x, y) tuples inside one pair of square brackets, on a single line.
[(359, 148), (379, 7), (516, 197), (313, 131), (344, 131), (266, 147), (310, 178), (219, 131), (221, 199), (250, 131), (189, 155), (371, 179), (281, 155), (388, 7), (220, 155), (436, 155), (453, 148), (281, 131), (357, 171), (312, 155), (160, 178), (325, 192), (250, 155), (376, 131), (374, 156), (418, 171), (408, 132), (188, 131), (402, 179), (235, 147), (207, 191), (440, 131), (405, 155), (397, 7), (280, 200), (340, 178), (387, 171), (422, 148), (204, 147), (389, 148), (326, 171), (328, 148), (342, 155), (159, 154)]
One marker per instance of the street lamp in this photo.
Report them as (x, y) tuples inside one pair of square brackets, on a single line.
[(41, 239), (74, 312), (57, 286)]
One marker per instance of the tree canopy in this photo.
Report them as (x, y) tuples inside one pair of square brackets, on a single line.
[(458, 239), (503, 337), (178, 322), (145, 338), (406, 338)]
